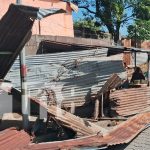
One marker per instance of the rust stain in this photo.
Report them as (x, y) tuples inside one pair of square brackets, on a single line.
[(11, 139), (130, 101), (123, 133)]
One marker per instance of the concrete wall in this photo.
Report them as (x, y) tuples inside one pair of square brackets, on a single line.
[(140, 44), (141, 58), (33, 44), (6, 105), (58, 24)]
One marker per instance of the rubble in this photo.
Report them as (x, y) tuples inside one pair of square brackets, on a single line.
[(77, 90)]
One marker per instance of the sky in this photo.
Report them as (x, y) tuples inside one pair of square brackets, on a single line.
[(123, 30)]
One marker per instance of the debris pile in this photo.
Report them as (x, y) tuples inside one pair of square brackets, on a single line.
[(88, 97)]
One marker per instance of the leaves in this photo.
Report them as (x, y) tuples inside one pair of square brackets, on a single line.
[(87, 24), (110, 13), (142, 9), (140, 30), (114, 13)]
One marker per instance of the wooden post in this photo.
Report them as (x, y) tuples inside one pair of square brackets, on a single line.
[(135, 60), (148, 77), (96, 110), (102, 106)]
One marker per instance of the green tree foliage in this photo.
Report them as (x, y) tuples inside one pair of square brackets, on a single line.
[(89, 28), (86, 24), (142, 10), (140, 30), (110, 13)]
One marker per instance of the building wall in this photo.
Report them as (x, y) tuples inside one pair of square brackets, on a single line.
[(141, 58), (6, 105), (140, 44), (146, 45), (58, 24)]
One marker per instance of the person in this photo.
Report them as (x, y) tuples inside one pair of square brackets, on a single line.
[(137, 75)]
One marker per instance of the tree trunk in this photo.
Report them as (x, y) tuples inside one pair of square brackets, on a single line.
[(111, 30), (116, 34)]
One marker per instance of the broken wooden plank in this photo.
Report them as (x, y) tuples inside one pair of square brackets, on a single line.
[(71, 121), (111, 83)]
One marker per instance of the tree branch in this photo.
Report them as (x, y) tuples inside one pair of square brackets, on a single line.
[(127, 18), (128, 6), (84, 7)]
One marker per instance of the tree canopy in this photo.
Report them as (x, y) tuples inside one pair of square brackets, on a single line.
[(115, 13), (87, 24), (89, 28), (110, 13), (142, 10), (140, 30)]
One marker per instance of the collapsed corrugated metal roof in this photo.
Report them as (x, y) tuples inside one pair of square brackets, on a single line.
[(130, 101), (15, 29), (123, 133), (11, 139), (72, 75), (141, 142)]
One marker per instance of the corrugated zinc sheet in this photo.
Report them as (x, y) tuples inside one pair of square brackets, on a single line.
[(141, 142), (11, 139), (72, 76), (130, 101), (60, 58), (15, 29), (122, 134)]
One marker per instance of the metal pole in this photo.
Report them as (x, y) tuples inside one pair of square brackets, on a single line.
[(24, 95), (135, 45), (102, 106), (135, 60), (148, 76)]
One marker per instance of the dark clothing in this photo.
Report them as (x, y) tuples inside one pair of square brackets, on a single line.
[(137, 76)]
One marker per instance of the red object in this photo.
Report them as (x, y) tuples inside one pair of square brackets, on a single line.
[(23, 70)]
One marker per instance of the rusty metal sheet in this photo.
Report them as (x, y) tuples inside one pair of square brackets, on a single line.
[(13, 36), (111, 83), (122, 134), (15, 29), (11, 139), (130, 101), (80, 72)]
